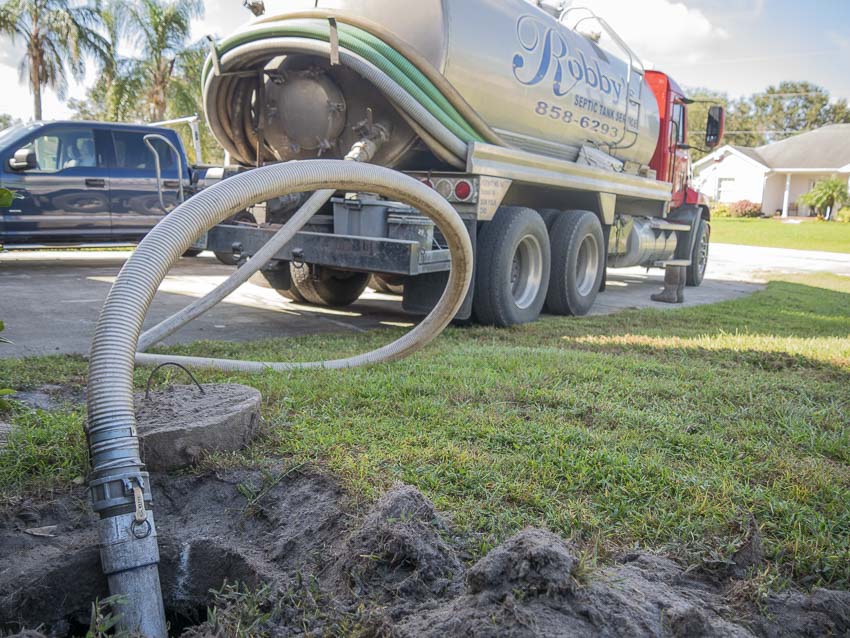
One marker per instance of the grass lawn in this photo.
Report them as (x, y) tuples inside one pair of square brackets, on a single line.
[(653, 429), (772, 233)]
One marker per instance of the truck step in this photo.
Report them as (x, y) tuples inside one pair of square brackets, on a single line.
[(672, 262)]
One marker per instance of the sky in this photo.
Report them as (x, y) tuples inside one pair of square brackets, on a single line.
[(735, 46)]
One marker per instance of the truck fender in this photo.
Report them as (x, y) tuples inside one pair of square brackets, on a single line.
[(690, 214)]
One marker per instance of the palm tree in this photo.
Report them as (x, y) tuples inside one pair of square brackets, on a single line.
[(827, 196), (58, 35), (159, 29)]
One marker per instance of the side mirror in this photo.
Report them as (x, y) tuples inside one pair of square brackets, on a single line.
[(714, 127), (23, 160)]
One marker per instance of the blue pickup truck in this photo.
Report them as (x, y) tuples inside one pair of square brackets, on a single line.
[(89, 183)]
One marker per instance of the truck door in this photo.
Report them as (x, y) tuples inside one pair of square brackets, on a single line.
[(679, 154), (134, 196), (65, 197)]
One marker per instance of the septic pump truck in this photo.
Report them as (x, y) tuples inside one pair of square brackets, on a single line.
[(572, 160)]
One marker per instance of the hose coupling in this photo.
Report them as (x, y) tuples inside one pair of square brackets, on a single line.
[(116, 493), (375, 135)]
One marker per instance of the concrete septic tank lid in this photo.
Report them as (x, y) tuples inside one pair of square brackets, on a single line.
[(179, 425)]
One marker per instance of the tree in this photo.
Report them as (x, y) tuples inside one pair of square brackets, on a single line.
[(827, 196), (118, 92), (7, 120), (185, 96), (159, 29), (58, 35), (796, 107), (740, 126)]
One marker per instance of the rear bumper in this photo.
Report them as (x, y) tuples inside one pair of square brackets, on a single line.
[(366, 254)]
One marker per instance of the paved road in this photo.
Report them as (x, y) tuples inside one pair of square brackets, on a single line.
[(50, 300)]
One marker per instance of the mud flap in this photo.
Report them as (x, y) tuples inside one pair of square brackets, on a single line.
[(690, 215)]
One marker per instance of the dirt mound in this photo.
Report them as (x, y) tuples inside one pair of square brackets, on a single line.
[(398, 551), (310, 564)]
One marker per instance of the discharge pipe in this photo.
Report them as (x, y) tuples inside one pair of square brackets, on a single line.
[(120, 488)]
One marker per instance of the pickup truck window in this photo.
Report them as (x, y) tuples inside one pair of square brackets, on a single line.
[(132, 152), (58, 150)]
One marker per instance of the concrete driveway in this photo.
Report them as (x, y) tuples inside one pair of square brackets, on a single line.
[(50, 300)]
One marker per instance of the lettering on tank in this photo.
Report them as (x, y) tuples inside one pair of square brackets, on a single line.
[(546, 56)]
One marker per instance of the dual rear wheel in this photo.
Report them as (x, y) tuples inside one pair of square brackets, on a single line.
[(318, 285), (528, 261)]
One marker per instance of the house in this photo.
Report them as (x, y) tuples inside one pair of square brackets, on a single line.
[(775, 175)]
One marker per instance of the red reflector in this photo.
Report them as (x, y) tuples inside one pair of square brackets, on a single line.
[(463, 190)]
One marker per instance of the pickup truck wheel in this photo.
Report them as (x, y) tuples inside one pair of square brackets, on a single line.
[(699, 255), (512, 269), (243, 217), (323, 286), (387, 284), (578, 263)]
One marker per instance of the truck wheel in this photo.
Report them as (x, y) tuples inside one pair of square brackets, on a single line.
[(244, 217), (277, 281), (512, 269), (699, 255), (550, 216), (387, 284), (323, 286), (578, 263)]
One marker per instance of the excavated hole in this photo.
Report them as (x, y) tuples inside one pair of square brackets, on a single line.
[(188, 574), (315, 565)]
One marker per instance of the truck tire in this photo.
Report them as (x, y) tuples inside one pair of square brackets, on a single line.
[(229, 259), (578, 263), (322, 286), (512, 269), (387, 284), (277, 281), (699, 255), (550, 216)]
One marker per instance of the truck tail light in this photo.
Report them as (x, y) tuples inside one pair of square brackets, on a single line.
[(463, 190)]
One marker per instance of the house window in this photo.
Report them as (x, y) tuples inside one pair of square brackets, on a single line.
[(725, 186)]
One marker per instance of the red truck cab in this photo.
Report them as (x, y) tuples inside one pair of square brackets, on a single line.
[(672, 159)]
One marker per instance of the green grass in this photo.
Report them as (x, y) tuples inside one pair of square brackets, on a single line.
[(656, 429), (772, 233)]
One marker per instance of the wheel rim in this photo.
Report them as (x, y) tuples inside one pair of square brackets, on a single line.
[(702, 255), (527, 271), (587, 265)]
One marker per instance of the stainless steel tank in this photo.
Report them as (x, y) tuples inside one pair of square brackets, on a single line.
[(540, 85)]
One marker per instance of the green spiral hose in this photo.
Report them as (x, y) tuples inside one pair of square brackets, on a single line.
[(363, 43)]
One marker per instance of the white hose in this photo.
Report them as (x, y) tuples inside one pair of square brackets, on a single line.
[(244, 273), (120, 323)]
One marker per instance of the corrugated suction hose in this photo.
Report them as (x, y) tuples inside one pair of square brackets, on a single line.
[(120, 489)]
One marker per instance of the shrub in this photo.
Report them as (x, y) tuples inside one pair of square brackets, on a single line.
[(721, 210), (745, 208), (843, 215)]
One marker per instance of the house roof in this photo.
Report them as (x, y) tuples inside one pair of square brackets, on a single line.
[(750, 152), (827, 147)]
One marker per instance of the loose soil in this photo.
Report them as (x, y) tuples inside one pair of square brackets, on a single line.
[(323, 568)]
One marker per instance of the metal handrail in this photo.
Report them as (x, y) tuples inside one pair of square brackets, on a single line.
[(149, 143), (633, 57), (635, 65)]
